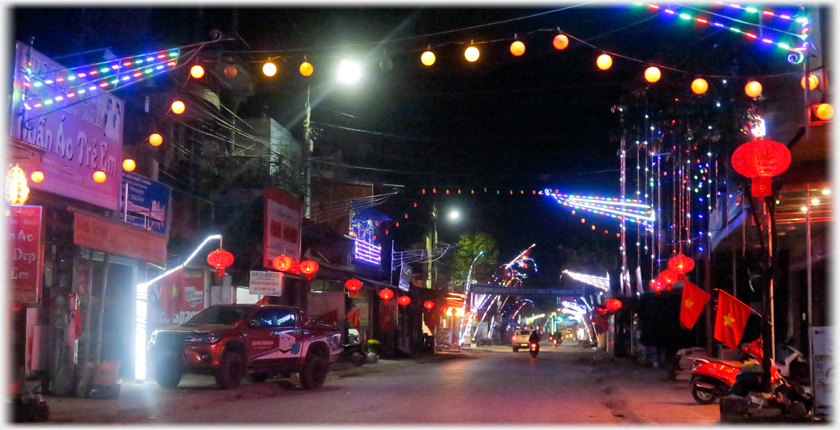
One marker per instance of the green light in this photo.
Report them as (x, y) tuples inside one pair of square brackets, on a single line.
[(173, 54), (751, 9), (735, 30), (148, 71), (685, 16)]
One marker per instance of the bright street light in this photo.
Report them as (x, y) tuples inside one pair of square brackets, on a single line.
[(349, 72), (454, 215)]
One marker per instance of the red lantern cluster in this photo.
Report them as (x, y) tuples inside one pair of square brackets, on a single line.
[(613, 304), (309, 267), (669, 276), (404, 300), (760, 160), (428, 304), (681, 264), (657, 285), (220, 259), (386, 294), (353, 285), (284, 263)]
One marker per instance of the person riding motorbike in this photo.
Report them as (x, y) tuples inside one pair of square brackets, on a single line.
[(535, 337)]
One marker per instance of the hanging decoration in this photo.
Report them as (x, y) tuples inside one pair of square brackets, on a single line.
[(629, 209), (652, 74), (599, 282), (657, 285), (760, 160), (428, 58), (306, 69), (129, 165), (823, 111), (37, 176), (699, 86), (517, 48), (178, 107), (428, 304), (404, 300), (155, 139), (284, 263), (681, 264), (99, 176), (197, 72), (753, 89), (669, 276), (560, 42), (386, 294), (309, 268), (604, 62), (471, 54), (363, 230), (613, 305), (353, 285), (220, 259), (17, 191)]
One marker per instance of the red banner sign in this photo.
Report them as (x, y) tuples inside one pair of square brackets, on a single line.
[(118, 238), (24, 233)]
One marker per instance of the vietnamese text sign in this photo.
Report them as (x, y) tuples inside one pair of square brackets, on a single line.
[(266, 283), (281, 233), (147, 201), (822, 369), (24, 234), (78, 137)]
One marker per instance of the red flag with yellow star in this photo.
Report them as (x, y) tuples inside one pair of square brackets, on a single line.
[(693, 300), (731, 319)]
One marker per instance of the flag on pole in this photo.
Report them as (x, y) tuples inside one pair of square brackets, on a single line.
[(731, 319), (693, 301)]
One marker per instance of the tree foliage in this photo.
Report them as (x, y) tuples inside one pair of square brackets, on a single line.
[(469, 246)]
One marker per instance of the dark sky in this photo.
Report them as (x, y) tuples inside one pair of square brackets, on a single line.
[(536, 121)]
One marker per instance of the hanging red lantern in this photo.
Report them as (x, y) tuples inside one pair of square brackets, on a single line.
[(669, 276), (386, 294), (760, 160), (681, 264), (613, 304), (428, 304), (308, 267), (353, 285), (283, 263), (404, 300), (657, 285), (443, 308), (220, 259)]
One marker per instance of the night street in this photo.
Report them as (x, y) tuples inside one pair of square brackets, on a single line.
[(567, 385)]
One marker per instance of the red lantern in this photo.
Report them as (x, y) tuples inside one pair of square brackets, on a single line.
[(353, 285), (657, 285), (220, 259), (443, 308), (669, 276), (613, 304), (760, 160), (681, 264), (308, 267), (386, 294), (428, 304), (283, 263), (404, 300)]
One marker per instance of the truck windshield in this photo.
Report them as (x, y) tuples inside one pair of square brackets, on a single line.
[(225, 315)]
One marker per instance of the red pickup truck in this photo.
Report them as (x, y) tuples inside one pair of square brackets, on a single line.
[(230, 341)]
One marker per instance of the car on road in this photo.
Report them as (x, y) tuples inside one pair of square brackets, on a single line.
[(232, 341), (520, 338)]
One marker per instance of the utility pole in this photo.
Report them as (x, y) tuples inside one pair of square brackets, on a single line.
[(307, 136)]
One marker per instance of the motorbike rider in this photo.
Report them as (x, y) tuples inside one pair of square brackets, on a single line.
[(535, 337)]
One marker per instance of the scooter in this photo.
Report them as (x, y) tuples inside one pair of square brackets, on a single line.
[(535, 349), (711, 377), (556, 340), (353, 353)]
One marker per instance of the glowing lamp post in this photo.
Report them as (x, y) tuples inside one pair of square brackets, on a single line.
[(760, 160), (220, 259), (353, 285), (386, 294)]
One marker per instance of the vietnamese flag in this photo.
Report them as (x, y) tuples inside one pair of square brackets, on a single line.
[(693, 300), (353, 317), (731, 319)]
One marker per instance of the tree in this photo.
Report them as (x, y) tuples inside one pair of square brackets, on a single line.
[(469, 246)]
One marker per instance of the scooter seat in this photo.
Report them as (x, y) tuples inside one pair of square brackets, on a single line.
[(731, 363)]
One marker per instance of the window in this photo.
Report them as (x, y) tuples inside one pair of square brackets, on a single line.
[(263, 319), (285, 319)]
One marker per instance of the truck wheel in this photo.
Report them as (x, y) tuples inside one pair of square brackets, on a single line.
[(314, 373), (168, 375), (231, 370)]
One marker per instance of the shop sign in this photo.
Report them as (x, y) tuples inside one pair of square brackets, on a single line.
[(405, 277), (77, 137), (117, 238), (24, 236), (266, 283), (281, 229), (144, 203)]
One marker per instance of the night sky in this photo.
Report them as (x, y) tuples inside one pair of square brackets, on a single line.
[(538, 121)]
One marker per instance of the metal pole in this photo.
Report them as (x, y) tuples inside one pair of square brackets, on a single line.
[(98, 351), (307, 136), (808, 269)]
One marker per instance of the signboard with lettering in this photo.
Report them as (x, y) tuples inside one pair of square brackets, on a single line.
[(822, 369), (144, 203), (24, 236), (405, 277), (117, 238), (78, 134), (266, 283), (281, 235)]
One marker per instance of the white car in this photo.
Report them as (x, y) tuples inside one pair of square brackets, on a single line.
[(520, 339)]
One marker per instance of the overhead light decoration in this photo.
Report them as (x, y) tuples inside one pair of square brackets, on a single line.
[(349, 71), (628, 210), (155, 139), (517, 48), (365, 247), (129, 165), (560, 42), (197, 71), (178, 107), (657, 285), (471, 54), (699, 86), (428, 58), (309, 268), (604, 62), (353, 285), (404, 300), (99, 176), (17, 191), (601, 282), (269, 69), (306, 69), (284, 263), (386, 294), (753, 89), (428, 304), (613, 305), (652, 74), (760, 160), (824, 111), (231, 71), (220, 259)]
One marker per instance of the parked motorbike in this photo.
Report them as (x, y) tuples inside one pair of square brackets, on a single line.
[(535, 349), (353, 353), (711, 378)]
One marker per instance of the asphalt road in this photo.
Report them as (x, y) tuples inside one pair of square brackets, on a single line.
[(489, 385)]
